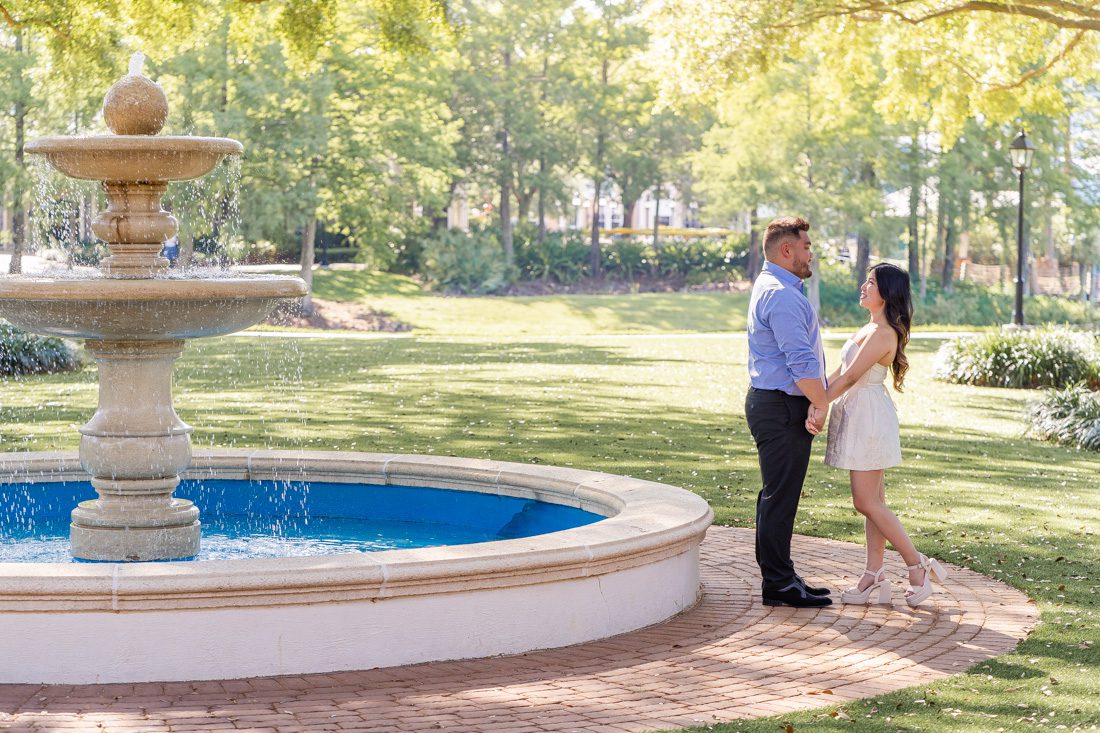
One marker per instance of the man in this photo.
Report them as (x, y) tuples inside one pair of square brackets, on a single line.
[(787, 371)]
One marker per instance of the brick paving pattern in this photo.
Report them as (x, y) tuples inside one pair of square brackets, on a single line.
[(729, 657)]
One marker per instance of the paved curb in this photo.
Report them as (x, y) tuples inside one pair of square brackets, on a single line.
[(730, 657)]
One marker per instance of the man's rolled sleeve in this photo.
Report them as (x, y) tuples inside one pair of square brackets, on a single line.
[(799, 353)]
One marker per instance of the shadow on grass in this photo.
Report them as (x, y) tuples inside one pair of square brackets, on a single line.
[(354, 286), (666, 312)]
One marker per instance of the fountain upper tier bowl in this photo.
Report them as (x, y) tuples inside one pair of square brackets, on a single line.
[(136, 158), (143, 310)]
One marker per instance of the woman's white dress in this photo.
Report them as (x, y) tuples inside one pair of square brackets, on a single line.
[(863, 424)]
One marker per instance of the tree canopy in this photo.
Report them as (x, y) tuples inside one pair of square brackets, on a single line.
[(941, 62), (884, 121)]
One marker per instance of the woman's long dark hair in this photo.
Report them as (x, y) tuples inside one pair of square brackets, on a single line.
[(893, 287)]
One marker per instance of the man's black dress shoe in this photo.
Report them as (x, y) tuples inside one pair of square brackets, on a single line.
[(795, 595), (813, 591)]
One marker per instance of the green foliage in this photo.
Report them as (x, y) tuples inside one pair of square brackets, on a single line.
[(564, 257), (458, 262), (933, 65), (625, 259), (561, 257), (713, 259), (970, 304), (25, 353), (839, 298), (701, 260), (1047, 357), (88, 252), (1069, 417), (978, 305)]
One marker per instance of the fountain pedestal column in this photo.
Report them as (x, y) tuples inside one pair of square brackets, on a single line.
[(135, 228), (135, 447)]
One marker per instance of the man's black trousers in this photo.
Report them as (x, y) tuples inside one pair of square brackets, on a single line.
[(777, 422)]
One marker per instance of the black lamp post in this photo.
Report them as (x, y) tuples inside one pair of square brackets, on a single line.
[(1021, 151)]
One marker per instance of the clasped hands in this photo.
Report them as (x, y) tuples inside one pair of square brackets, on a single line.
[(815, 419)]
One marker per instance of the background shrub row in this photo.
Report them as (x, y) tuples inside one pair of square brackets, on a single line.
[(474, 263)]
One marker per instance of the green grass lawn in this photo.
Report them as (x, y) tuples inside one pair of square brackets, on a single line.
[(566, 315), (669, 407), (570, 315)]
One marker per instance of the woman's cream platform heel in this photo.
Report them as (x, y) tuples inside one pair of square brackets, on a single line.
[(933, 571), (881, 586)]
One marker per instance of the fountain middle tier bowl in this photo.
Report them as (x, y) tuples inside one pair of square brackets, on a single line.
[(134, 158), (143, 309)]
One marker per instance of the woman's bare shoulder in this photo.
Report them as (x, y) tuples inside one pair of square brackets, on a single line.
[(883, 333)]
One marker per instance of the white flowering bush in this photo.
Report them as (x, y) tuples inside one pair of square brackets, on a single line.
[(1047, 357), (1070, 417)]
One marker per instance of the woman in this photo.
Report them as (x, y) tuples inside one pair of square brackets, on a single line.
[(863, 432)]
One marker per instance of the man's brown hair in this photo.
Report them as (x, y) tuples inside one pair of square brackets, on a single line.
[(782, 228)]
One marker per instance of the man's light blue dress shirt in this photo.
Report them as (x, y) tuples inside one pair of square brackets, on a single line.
[(784, 338)]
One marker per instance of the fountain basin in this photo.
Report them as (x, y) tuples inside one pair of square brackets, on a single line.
[(154, 309), (253, 519), (134, 158), (242, 618)]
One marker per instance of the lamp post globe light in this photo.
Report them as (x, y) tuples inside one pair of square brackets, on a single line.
[(1021, 151)]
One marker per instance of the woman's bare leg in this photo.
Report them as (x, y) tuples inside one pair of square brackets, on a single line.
[(881, 524)]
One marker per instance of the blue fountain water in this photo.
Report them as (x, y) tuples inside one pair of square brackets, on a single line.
[(243, 519)]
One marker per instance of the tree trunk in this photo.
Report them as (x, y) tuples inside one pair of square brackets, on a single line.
[(506, 185), (187, 248), (594, 255), (18, 208), (309, 237), (863, 256), (916, 183), (755, 253), (542, 158), (1083, 280), (656, 213), (542, 202), (506, 211), (863, 239), (224, 90), (1051, 251), (941, 211), (951, 235), (1002, 261), (523, 203)]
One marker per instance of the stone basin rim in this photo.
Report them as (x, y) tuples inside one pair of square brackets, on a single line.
[(133, 144), (647, 522), (99, 289)]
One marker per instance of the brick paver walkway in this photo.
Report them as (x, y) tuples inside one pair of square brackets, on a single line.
[(730, 657)]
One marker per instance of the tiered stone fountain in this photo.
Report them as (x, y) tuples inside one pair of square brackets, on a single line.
[(136, 621), (135, 321)]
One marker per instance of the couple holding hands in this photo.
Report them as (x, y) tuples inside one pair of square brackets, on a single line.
[(788, 402)]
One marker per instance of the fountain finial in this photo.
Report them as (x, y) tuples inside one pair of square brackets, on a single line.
[(135, 105)]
